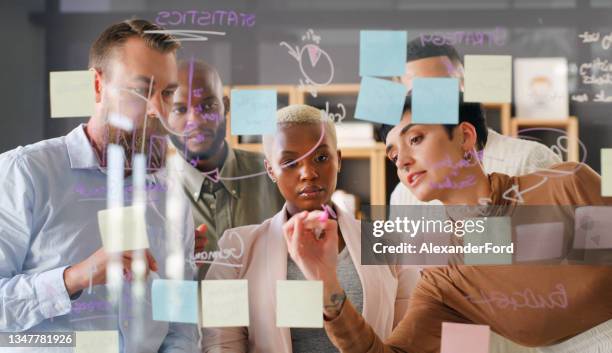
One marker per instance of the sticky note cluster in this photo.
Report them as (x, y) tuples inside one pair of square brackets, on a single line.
[(123, 228), (225, 303), (71, 93), (253, 111), (488, 78), (382, 54)]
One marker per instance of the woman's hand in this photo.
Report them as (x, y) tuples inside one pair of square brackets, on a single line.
[(316, 256)]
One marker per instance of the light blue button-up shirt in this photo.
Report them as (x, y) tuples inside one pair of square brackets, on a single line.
[(50, 195)]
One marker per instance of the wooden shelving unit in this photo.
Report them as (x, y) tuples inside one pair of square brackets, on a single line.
[(376, 153), (297, 95), (329, 90), (504, 114), (378, 168), (570, 125), (376, 157)]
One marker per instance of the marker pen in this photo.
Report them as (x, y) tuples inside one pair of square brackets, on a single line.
[(322, 219)]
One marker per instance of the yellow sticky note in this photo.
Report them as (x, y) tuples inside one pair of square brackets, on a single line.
[(71, 93), (97, 342), (488, 78), (225, 303), (123, 228), (299, 304), (606, 172)]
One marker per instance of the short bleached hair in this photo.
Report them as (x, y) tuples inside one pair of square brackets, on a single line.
[(299, 114)]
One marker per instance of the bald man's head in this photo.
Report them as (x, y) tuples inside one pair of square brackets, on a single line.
[(199, 109), (204, 77)]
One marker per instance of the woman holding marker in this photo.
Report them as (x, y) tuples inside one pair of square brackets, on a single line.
[(446, 294), (303, 160)]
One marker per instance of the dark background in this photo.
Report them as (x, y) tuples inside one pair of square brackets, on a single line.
[(42, 36)]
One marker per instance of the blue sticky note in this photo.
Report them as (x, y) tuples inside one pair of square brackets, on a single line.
[(175, 301), (253, 111), (435, 101), (380, 101), (382, 53)]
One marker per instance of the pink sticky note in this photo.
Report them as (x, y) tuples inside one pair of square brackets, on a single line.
[(462, 338), (541, 241)]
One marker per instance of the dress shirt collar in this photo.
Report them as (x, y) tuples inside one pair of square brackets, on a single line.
[(80, 151), (193, 179), (83, 156)]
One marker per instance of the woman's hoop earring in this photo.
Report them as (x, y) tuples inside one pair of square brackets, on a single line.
[(467, 156)]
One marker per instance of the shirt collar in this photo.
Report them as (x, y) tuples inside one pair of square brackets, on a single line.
[(83, 156), (230, 169), (193, 179), (501, 184), (80, 150)]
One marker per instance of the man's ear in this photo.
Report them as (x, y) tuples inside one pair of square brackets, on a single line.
[(97, 85), (226, 105), (339, 160), (469, 137), (270, 170)]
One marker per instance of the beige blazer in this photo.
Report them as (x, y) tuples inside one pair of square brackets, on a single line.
[(259, 253)]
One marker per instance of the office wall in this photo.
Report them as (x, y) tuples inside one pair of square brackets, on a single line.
[(23, 75), (56, 40)]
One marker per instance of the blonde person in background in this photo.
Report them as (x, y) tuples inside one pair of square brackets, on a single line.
[(304, 165)]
